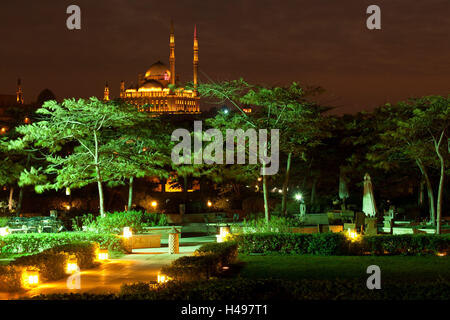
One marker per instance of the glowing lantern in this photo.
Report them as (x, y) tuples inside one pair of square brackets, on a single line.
[(4, 231), (30, 278), (352, 235), (162, 278), (103, 254), (3, 130), (442, 254), (72, 264), (209, 203), (224, 233), (127, 232), (154, 204), (67, 191)]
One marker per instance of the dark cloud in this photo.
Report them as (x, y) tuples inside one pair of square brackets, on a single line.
[(319, 42)]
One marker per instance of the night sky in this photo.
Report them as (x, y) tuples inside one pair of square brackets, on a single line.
[(315, 42)]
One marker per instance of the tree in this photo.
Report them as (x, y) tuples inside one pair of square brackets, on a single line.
[(145, 153), (278, 108), (415, 130), (80, 139)]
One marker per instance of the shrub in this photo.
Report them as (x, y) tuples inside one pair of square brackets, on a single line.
[(115, 222), (206, 262), (241, 289), (11, 278), (406, 244), (37, 242), (337, 244), (3, 222), (259, 225), (51, 265), (86, 252)]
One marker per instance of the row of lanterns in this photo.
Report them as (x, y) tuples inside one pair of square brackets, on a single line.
[(30, 278)]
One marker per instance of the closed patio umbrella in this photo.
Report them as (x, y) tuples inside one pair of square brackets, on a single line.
[(369, 208)]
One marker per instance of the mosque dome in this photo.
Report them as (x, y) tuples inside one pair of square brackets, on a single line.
[(150, 84), (158, 71)]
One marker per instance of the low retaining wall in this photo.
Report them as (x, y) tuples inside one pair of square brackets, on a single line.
[(314, 229), (140, 241), (162, 231)]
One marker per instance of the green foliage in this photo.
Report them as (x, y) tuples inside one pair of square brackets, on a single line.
[(37, 242), (115, 222), (86, 141), (11, 278), (259, 225), (337, 244), (51, 265), (86, 252), (3, 221), (292, 243), (206, 262), (406, 244), (242, 289)]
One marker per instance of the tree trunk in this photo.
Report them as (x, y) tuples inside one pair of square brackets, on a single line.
[(99, 178), (429, 190), (11, 199), (285, 186), (266, 195), (130, 194), (421, 193), (437, 146), (100, 192), (19, 202)]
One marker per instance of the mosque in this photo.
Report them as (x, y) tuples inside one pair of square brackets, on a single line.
[(157, 91)]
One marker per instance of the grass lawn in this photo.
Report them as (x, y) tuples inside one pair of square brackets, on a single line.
[(393, 268)]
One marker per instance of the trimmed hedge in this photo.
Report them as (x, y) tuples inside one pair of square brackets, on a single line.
[(206, 262), (86, 252), (11, 278), (338, 244), (293, 243), (268, 290), (37, 242), (50, 263)]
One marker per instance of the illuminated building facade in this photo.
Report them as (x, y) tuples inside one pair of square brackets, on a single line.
[(157, 90)]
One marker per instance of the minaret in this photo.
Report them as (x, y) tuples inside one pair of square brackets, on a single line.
[(195, 58), (122, 89), (106, 92), (172, 54), (19, 93)]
